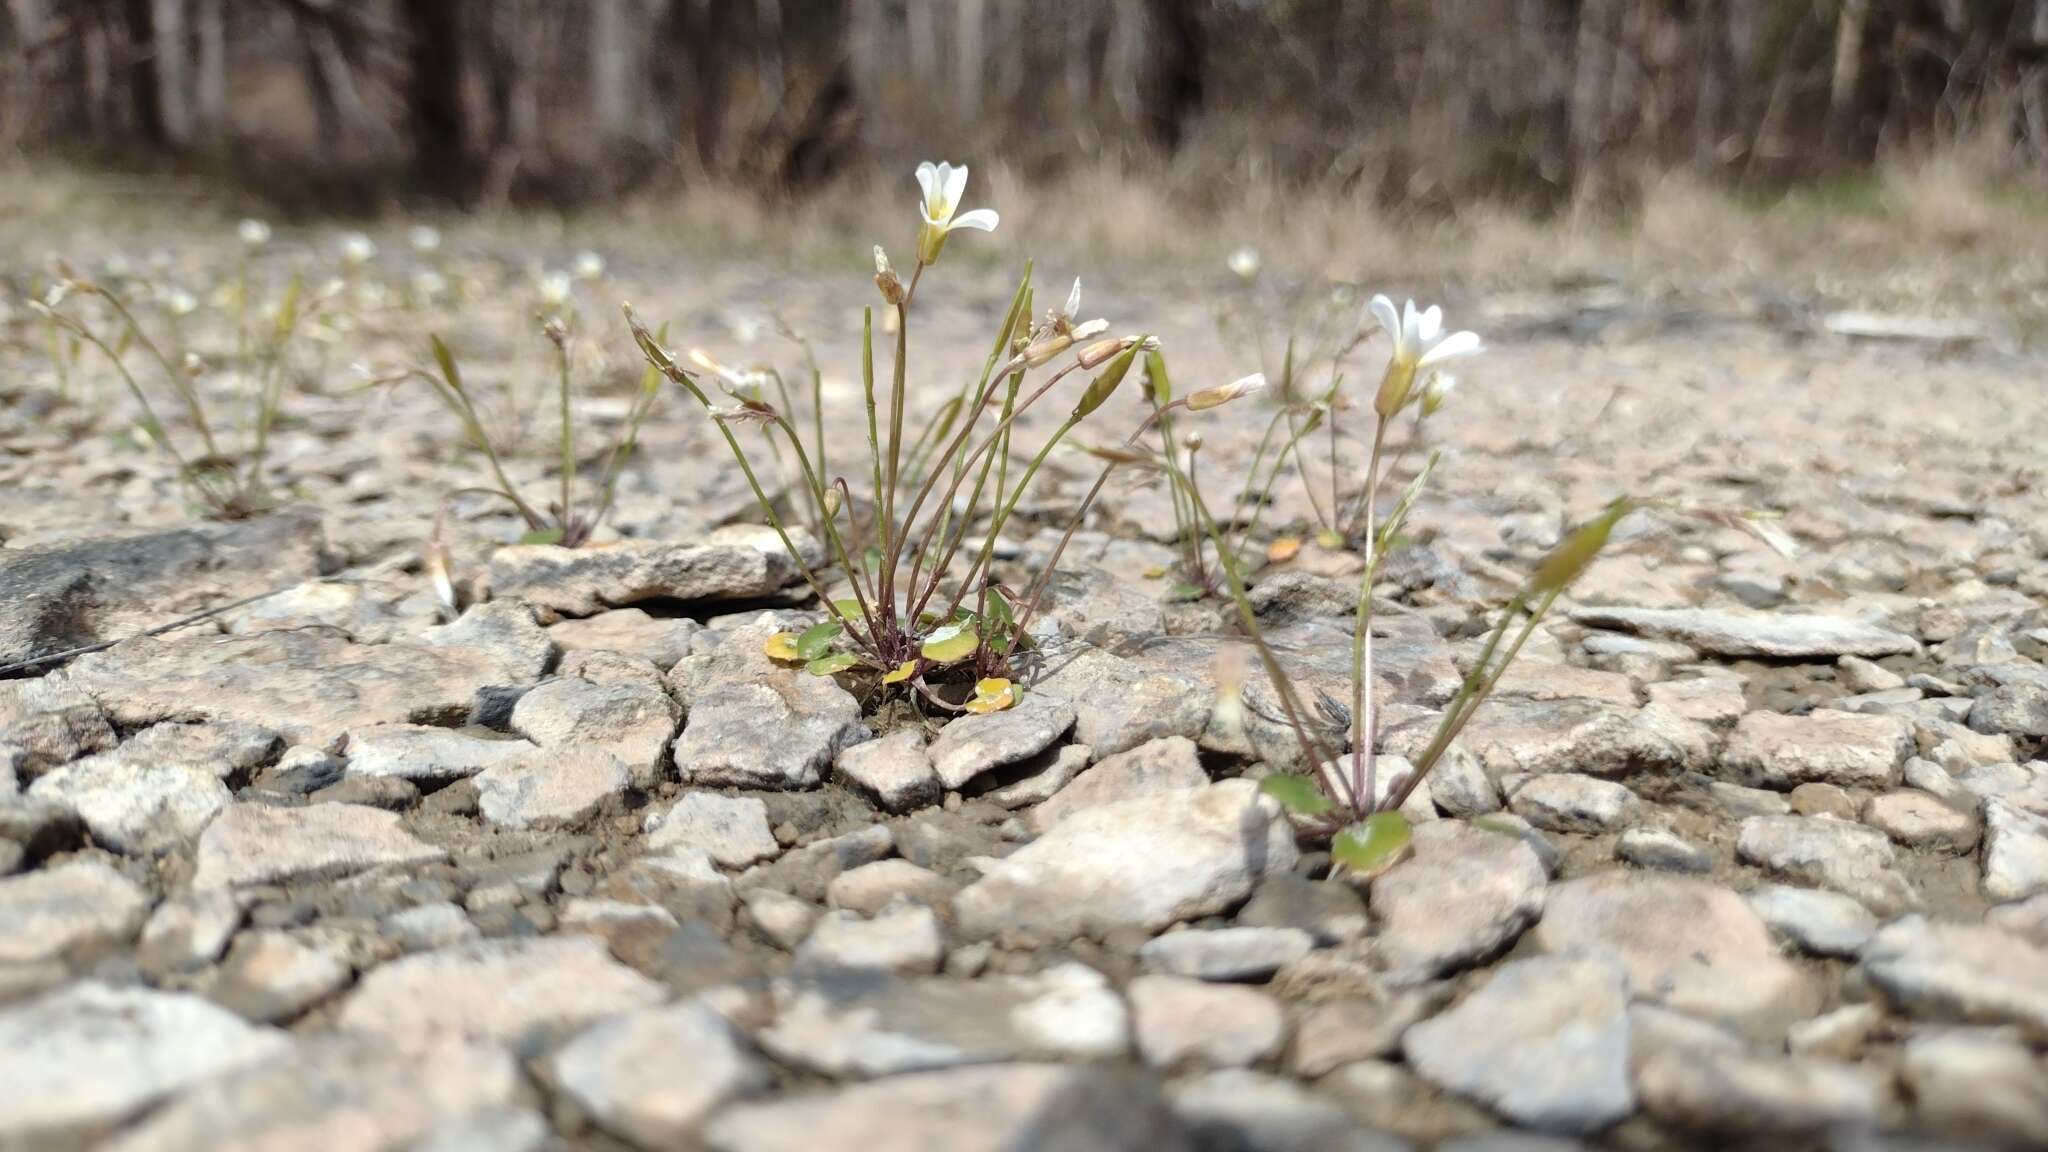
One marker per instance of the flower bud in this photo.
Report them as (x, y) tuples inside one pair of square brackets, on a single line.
[(890, 284), (1225, 393), (1041, 351), (1395, 388), (1192, 441), (1576, 551), (931, 239), (1094, 354), (1437, 391)]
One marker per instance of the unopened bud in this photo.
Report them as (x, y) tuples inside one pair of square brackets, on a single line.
[(1437, 391), (890, 284), (1225, 393), (1192, 441), (1576, 551), (1095, 354), (556, 331), (1043, 350), (1395, 387)]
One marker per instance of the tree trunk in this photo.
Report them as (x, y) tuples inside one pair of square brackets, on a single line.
[(438, 126), (210, 112), (145, 88)]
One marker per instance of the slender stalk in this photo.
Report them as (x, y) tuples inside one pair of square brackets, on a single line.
[(567, 432), (185, 389), (1364, 716)]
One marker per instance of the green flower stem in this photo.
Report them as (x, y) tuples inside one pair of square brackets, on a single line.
[(186, 391), (1364, 716), (567, 433)]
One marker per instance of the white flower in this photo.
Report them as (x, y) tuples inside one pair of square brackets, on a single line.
[(1437, 391), (254, 233), (179, 302), (555, 288), (1420, 343), (1245, 262), (943, 186), (882, 265), (589, 265), (357, 248), (1073, 307), (424, 238), (428, 284)]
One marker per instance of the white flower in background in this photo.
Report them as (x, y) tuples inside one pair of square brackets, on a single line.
[(1437, 391), (739, 383), (555, 288), (254, 233), (943, 186), (179, 302), (357, 249), (1420, 343), (428, 284), (1245, 262), (424, 238), (589, 265)]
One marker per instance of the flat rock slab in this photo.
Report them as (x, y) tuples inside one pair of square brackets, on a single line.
[(753, 723), (249, 844), (512, 991), (1961, 973), (659, 640), (1465, 895), (1184, 1022), (1545, 1042), (875, 1024), (633, 722), (1852, 859), (999, 1108), (337, 1093), (1139, 863), (135, 808), (586, 581), (425, 754), (1775, 635), (654, 1074), (1736, 1093), (1769, 750), (311, 687), (91, 1055), (971, 745), (893, 771), (74, 907), (1120, 703), (732, 830), (82, 592), (1167, 764), (1686, 943), (551, 787)]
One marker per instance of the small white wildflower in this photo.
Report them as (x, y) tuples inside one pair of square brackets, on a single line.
[(179, 302), (943, 185), (424, 238), (1437, 391), (555, 288), (357, 249), (1420, 343), (1245, 262), (254, 233), (589, 265)]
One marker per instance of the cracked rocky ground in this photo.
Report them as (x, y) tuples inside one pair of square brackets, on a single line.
[(1767, 862)]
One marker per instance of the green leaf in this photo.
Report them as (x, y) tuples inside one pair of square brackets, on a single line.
[(542, 536), (829, 665), (1105, 385), (999, 622), (817, 639), (1183, 593), (847, 610), (1155, 373), (446, 360), (1370, 848), (1297, 794), (949, 644)]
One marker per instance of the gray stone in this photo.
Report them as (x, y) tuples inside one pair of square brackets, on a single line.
[(1936, 781), (1732, 1092), (493, 1130), (905, 940), (585, 581), (1983, 1082), (89, 1056), (189, 931), (72, 909), (1687, 944), (512, 991), (1120, 703), (660, 641), (1775, 751), (2019, 708), (1822, 923), (1562, 802), (1545, 1042), (131, 807), (755, 724), (1663, 851), (1837, 1035), (874, 1024), (1091, 605), (632, 722), (1860, 675), (1830, 853), (1180, 1022), (1776, 635), (1329, 913), (429, 926), (1961, 973), (78, 592), (1141, 863), (425, 755), (271, 977), (1716, 701), (312, 687), (250, 844), (893, 771), (50, 722), (1033, 781), (733, 830), (1460, 786), (504, 628), (781, 918), (1241, 953), (807, 872), (559, 787), (2015, 852), (1918, 820), (337, 1093), (971, 745), (1237, 1108), (872, 887), (1464, 897), (1001, 1108), (1162, 765), (2024, 918), (653, 1075), (1334, 1032)]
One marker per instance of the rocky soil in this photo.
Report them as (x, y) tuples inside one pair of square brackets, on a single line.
[(1750, 851)]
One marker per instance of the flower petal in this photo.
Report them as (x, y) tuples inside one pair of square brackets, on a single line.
[(981, 220), (1430, 325), (955, 183), (928, 180), (1073, 298), (1456, 346), (1389, 319), (1411, 331)]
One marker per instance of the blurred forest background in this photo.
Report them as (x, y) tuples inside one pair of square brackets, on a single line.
[(1544, 103)]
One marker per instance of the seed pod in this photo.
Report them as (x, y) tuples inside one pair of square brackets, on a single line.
[(1106, 384), (1576, 551)]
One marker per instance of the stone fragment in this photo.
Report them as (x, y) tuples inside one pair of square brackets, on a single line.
[(425, 755), (633, 722), (905, 940), (660, 641), (551, 787), (1820, 922), (73, 909), (1740, 1093), (1564, 802), (733, 830), (1960, 973), (1917, 820), (971, 745), (1180, 1022), (1770, 750), (270, 977), (1979, 1081), (654, 1075), (1162, 765), (872, 887), (1774, 635), (893, 771), (506, 630), (586, 581), (1663, 851), (755, 724), (1120, 703), (250, 844), (511, 991), (1849, 858), (1464, 897), (1240, 953), (2015, 852)]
